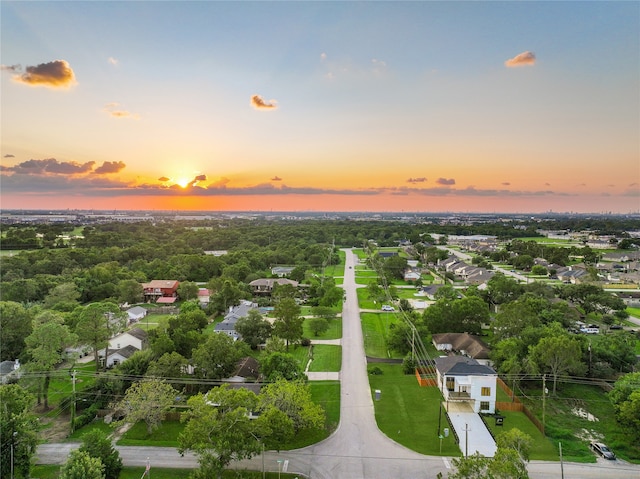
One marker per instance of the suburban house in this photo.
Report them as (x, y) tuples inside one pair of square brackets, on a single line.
[(411, 275), (136, 313), (465, 380), (228, 324), (123, 346), (118, 356), (282, 271), (204, 296), (9, 370), (157, 289), (572, 275), (464, 344), (264, 286), (135, 337)]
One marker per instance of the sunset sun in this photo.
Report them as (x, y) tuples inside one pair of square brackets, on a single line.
[(182, 182)]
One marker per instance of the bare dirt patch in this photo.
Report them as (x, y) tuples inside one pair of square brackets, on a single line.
[(54, 429)]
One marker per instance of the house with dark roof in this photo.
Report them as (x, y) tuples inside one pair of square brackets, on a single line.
[(9, 370), (135, 337), (228, 324), (117, 356), (463, 379), (464, 344)]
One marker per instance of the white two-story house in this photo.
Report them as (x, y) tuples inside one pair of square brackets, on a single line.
[(463, 379)]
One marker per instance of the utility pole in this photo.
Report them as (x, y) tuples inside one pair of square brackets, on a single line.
[(466, 440), (73, 403), (561, 463), (544, 396)]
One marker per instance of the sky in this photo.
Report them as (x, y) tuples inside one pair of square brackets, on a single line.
[(421, 106)]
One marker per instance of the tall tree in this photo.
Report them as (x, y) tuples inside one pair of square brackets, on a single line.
[(149, 401), (294, 399), (288, 323), (557, 355), (253, 329), (19, 427), (96, 324), (218, 356), (279, 365), (45, 346), (129, 291), (98, 445), (80, 465), (219, 430), (15, 325)]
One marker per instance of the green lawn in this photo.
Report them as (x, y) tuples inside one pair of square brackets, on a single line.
[(327, 394), (562, 424), (408, 413), (98, 424), (363, 272), (363, 300), (334, 331), (326, 358), (375, 328), (53, 472), (543, 449), (634, 312), (166, 435)]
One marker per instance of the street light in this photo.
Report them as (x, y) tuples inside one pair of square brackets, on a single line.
[(279, 467)]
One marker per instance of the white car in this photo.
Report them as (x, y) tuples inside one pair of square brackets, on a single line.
[(386, 307)]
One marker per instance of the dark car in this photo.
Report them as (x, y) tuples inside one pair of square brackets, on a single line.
[(603, 450)]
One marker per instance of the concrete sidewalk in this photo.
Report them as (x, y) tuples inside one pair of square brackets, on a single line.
[(472, 433)]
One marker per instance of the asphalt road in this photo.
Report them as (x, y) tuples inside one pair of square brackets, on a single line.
[(357, 449)]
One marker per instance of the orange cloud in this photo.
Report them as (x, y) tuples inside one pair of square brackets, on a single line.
[(112, 110), (276, 178), (522, 59), (55, 74), (258, 103)]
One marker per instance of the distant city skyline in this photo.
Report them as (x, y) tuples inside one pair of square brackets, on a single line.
[(505, 107)]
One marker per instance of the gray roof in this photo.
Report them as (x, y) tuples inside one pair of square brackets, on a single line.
[(240, 311), (126, 352), (6, 367), (137, 310), (226, 326), (138, 333), (462, 366)]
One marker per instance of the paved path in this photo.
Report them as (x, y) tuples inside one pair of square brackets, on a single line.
[(472, 433)]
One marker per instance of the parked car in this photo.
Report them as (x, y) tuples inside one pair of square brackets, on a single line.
[(603, 450), (616, 326), (386, 307)]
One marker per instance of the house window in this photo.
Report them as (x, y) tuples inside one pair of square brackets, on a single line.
[(451, 384), (486, 391), (484, 405)]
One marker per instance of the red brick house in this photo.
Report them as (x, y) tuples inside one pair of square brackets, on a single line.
[(160, 288)]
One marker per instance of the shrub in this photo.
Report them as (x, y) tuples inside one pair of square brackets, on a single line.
[(375, 371)]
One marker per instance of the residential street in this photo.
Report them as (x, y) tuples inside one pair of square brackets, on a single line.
[(357, 449)]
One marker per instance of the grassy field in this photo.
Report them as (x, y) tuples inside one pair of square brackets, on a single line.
[(542, 449), (53, 472), (165, 436), (327, 358), (334, 331), (565, 425), (375, 329), (408, 413)]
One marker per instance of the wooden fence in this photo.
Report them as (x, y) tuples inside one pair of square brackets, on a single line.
[(426, 376), (516, 405)]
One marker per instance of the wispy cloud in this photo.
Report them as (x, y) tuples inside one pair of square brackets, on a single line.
[(113, 110), (446, 181), (55, 74), (506, 183), (113, 61), (9, 155), (276, 178), (259, 104), (521, 59), (421, 179)]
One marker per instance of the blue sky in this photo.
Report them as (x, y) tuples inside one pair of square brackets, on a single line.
[(374, 105)]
